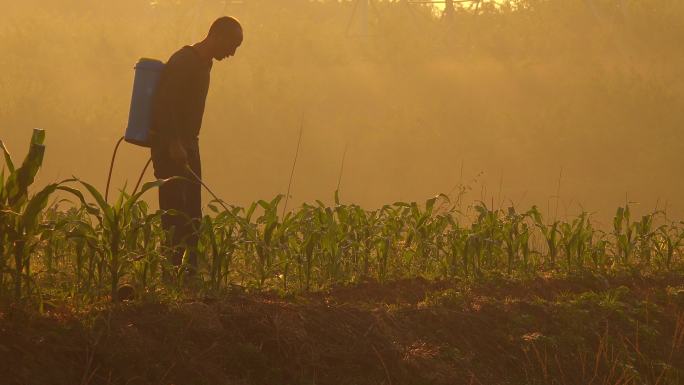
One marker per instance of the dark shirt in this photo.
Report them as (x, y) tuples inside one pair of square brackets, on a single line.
[(178, 103)]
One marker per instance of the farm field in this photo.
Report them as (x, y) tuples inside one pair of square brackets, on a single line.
[(406, 294), (86, 248), (411, 193)]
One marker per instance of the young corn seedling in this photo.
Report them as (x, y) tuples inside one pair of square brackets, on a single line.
[(488, 231), (266, 245), (20, 214), (423, 230), (456, 253), (515, 233), (117, 229), (573, 240), (623, 232), (645, 234), (668, 241), (143, 239), (550, 234), (218, 241)]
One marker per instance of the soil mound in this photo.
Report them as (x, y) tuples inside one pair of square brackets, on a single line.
[(562, 331)]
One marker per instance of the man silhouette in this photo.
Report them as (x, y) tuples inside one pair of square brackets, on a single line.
[(177, 110)]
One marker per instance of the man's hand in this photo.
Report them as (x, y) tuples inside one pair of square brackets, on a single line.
[(178, 153)]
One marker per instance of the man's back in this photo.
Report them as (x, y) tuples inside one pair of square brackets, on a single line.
[(178, 104)]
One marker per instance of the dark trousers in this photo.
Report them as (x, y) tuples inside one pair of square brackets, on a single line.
[(182, 196)]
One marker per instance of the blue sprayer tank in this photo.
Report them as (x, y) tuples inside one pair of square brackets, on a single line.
[(147, 74)]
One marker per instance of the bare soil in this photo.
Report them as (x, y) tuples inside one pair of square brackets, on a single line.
[(577, 330)]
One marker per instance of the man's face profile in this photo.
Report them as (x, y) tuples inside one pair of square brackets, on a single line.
[(228, 45)]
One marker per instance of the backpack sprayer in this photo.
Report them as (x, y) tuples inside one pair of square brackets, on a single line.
[(147, 75)]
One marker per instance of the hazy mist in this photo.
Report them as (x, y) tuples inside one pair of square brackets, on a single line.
[(507, 101)]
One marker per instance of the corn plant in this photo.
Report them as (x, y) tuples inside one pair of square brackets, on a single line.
[(550, 234), (261, 235), (455, 254), (424, 232), (645, 234), (218, 243), (668, 241), (119, 226), (516, 235), (487, 238), (20, 213), (573, 237), (623, 232)]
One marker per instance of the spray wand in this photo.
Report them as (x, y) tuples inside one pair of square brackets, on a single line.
[(220, 201)]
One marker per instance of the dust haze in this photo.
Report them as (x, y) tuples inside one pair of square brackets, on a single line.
[(570, 105)]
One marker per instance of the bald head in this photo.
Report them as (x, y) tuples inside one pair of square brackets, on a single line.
[(225, 36), (225, 25)]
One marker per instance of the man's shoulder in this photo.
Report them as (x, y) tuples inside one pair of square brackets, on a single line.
[(188, 59), (183, 56)]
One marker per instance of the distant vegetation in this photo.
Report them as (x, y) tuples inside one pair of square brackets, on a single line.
[(590, 87)]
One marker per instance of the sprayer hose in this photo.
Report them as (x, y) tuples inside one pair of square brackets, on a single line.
[(111, 167), (141, 175)]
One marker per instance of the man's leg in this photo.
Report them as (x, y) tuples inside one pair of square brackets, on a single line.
[(193, 204), (171, 197)]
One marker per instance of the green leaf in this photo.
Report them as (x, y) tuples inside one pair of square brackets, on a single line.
[(430, 204), (250, 211), (89, 207), (275, 201), (38, 136), (2, 185), (104, 206), (35, 206), (213, 208), (95, 194), (266, 206), (24, 176), (8, 158), (268, 232), (147, 186)]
